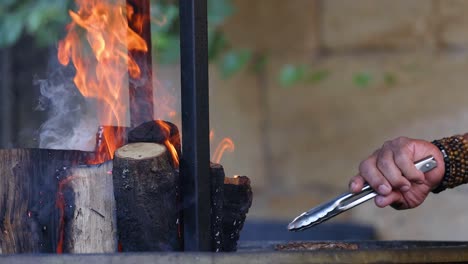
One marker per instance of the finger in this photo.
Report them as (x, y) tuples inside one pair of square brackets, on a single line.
[(372, 175), (356, 183), (405, 163), (392, 198), (387, 166)]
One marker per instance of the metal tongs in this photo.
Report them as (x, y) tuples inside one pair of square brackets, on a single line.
[(346, 201)]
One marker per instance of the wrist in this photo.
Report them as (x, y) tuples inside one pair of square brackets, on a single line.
[(454, 151)]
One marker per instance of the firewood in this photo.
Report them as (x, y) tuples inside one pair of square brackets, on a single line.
[(91, 227), (28, 187), (217, 196), (145, 189), (236, 203), (156, 131)]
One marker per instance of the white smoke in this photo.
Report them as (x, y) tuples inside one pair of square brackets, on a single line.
[(72, 120)]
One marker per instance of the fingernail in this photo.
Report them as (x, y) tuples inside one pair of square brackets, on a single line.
[(379, 199), (353, 186), (384, 189), (405, 188)]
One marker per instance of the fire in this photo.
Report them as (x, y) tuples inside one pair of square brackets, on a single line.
[(97, 43), (225, 145), (169, 145), (108, 139)]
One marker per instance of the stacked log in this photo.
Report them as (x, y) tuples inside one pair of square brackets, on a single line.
[(51, 201), (91, 224), (145, 185), (29, 180)]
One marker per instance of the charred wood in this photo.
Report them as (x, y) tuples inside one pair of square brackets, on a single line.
[(236, 203), (141, 86), (145, 189), (156, 131), (217, 196), (29, 181), (231, 199)]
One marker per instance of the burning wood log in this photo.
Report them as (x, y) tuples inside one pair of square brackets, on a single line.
[(91, 226), (145, 189), (53, 203), (231, 199), (236, 203), (28, 188)]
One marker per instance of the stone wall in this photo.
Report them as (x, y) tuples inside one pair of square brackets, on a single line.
[(301, 144)]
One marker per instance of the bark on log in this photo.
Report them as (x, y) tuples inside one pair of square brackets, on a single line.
[(145, 188), (217, 195), (91, 226), (236, 203), (28, 188)]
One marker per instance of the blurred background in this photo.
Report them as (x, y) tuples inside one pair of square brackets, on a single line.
[(306, 89)]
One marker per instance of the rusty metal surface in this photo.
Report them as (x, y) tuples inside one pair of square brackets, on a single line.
[(373, 252)]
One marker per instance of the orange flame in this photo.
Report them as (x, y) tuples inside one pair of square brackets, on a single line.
[(170, 147), (225, 145), (211, 135), (102, 62)]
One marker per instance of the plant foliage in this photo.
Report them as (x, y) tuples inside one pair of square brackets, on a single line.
[(45, 21)]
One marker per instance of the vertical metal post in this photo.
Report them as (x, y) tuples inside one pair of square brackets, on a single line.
[(194, 166), (141, 88), (6, 99)]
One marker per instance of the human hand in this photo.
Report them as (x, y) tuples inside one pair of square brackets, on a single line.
[(390, 171)]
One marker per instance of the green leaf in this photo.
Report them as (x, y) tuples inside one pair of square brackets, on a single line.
[(34, 20), (218, 11), (216, 44), (362, 79), (168, 49), (233, 61), (292, 74), (10, 29), (164, 17), (5, 4)]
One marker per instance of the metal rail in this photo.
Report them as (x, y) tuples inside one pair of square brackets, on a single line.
[(195, 160)]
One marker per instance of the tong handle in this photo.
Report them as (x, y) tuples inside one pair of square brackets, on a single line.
[(350, 200)]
